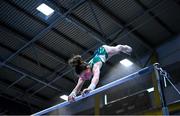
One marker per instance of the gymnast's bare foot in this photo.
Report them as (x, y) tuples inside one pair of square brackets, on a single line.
[(127, 49)]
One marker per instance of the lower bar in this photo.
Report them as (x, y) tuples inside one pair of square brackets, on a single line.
[(100, 89)]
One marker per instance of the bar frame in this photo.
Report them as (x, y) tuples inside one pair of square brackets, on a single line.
[(98, 90)]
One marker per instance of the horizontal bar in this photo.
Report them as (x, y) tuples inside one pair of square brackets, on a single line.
[(100, 89)]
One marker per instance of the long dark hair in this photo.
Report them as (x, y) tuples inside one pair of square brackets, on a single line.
[(78, 63)]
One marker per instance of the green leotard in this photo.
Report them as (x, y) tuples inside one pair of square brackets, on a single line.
[(100, 55)]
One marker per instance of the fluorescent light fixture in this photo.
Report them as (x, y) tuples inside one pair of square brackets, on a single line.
[(150, 89), (64, 97), (105, 99), (45, 9), (126, 62)]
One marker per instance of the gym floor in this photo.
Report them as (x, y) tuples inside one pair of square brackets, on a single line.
[(38, 37)]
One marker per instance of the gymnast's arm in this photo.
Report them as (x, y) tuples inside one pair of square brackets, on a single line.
[(76, 90), (95, 79)]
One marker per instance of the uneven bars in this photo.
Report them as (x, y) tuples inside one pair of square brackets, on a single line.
[(100, 89)]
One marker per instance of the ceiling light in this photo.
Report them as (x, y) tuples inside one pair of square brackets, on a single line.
[(126, 62), (64, 97), (150, 89), (45, 9)]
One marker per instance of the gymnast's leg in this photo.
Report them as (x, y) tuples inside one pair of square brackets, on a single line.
[(112, 50)]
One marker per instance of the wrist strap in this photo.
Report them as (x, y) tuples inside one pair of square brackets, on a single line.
[(92, 86), (73, 94)]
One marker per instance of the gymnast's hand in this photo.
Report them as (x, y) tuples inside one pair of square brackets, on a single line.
[(71, 98), (85, 91)]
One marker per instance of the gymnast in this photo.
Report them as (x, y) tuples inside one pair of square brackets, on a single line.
[(86, 71)]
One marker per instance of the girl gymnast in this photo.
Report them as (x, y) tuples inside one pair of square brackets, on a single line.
[(91, 70)]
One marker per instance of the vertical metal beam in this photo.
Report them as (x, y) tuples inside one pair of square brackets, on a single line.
[(43, 32)]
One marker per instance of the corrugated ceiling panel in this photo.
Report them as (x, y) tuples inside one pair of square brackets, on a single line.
[(29, 5), (106, 22), (43, 59), (61, 45), (26, 82), (34, 100), (10, 40), (171, 16), (62, 72), (33, 53), (10, 91), (51, 55), (150, 3), (152, 31), (4, 53), (126, 10), (15, 42), (50, 78), (35, 87), (64, 84), (113, 36), (30, 67), (85, 14), (9, 75), (131, 40), (76, 34), (20, 21), (67, 3), (50, 94)]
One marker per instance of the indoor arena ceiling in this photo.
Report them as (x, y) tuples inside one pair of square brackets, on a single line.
[(34, 50)]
